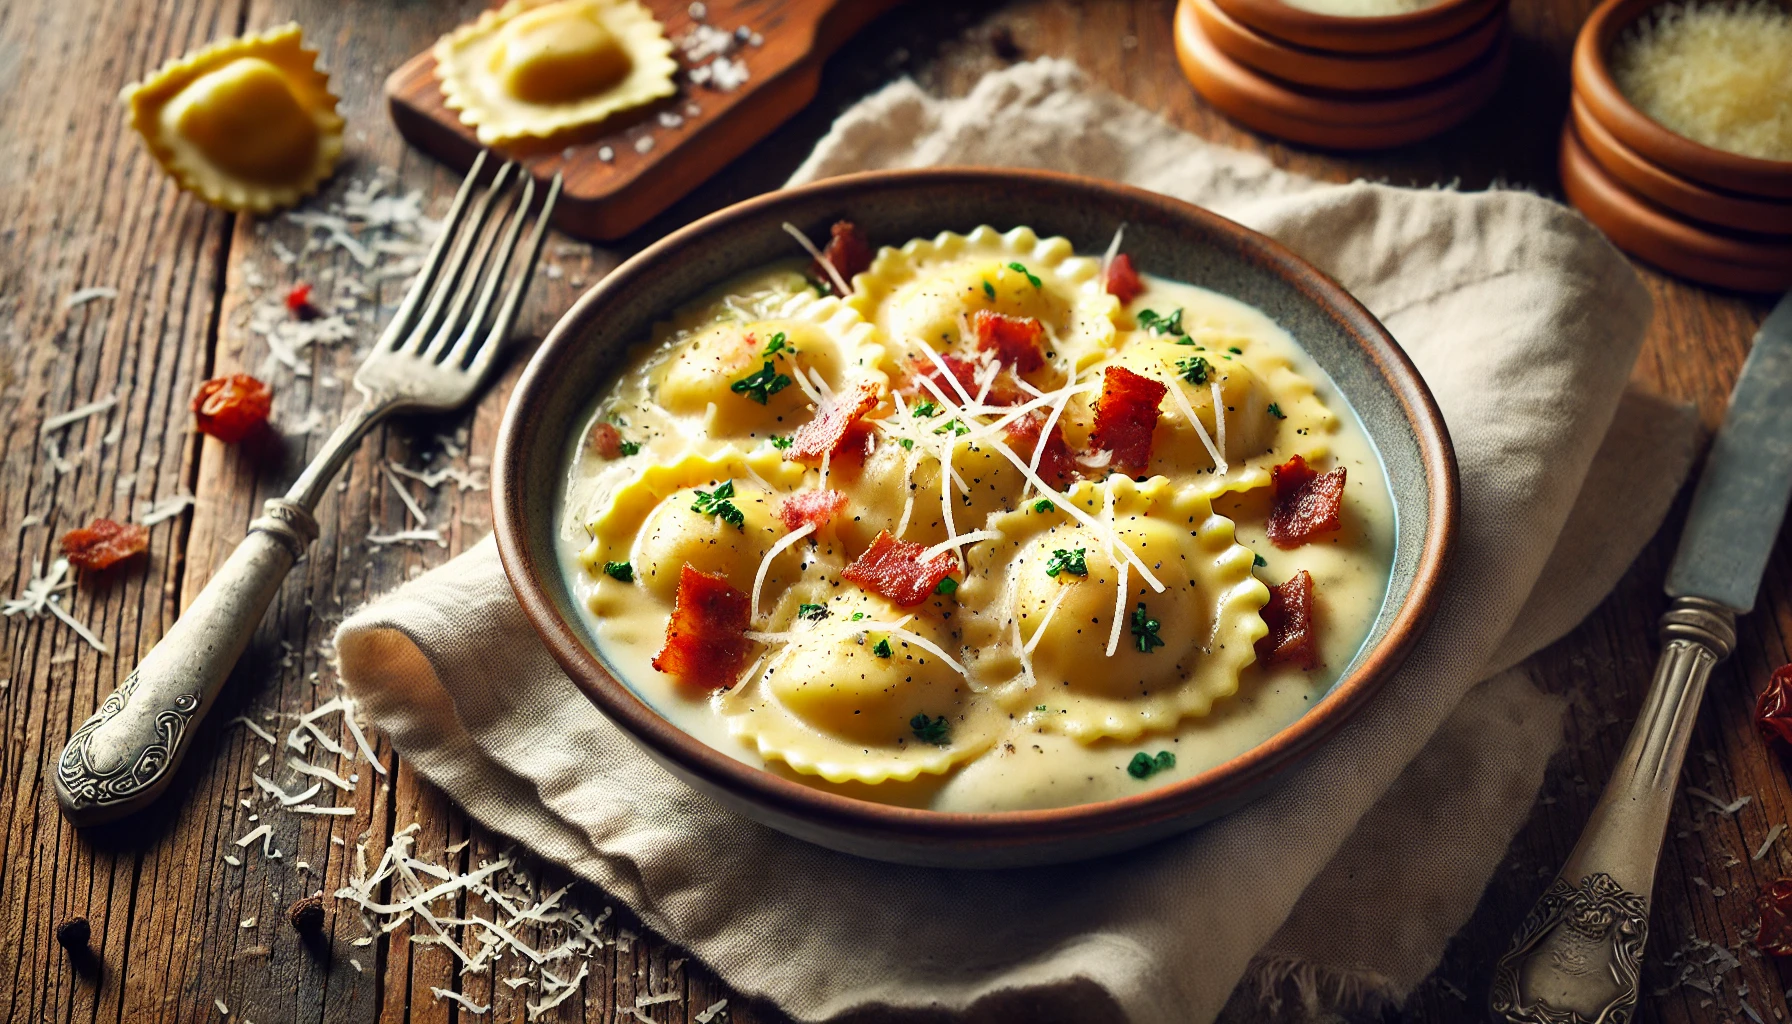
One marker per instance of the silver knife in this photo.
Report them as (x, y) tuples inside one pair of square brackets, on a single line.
[(1577, 959)]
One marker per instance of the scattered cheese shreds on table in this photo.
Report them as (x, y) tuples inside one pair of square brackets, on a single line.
[(710, 1014), (40, 598), (82, 296), (76, 415)]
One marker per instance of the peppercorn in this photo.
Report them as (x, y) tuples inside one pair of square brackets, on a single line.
[(74, 934), (307, 915)]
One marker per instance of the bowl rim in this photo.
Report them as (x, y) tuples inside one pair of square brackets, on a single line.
[(1229, 780), (1375, 34), (1593, 82)]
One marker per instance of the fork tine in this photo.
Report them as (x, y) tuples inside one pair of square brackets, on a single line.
[(445, 287), (401, 320), (499, 261), (513, 300)]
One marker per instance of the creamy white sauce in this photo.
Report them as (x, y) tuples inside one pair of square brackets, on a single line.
[(1030, 767)]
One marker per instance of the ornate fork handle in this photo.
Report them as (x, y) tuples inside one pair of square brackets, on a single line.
[(1578, 957)]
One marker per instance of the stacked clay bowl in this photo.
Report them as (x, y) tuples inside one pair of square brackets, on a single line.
[(1715, 217), (1343, 82)]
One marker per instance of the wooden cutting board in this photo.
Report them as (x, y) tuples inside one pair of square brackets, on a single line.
[(693, 133)]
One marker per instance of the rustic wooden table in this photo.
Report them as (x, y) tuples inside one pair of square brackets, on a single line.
[(81, 205)]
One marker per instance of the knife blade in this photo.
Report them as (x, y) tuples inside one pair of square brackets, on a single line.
[(1741, 497)]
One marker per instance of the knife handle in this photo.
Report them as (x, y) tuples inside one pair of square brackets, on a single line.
[(1578, 956)]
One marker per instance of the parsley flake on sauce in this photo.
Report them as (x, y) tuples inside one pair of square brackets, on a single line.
[(955, 426), (1028, 274), (1235, 350), (781, 442), (716, 503), (882, 648), (776, 345), (1194, 369), (936, 731), (1044, 505), (762, 384), (1258, 561), (1072, 562), (1276, 411), (1144, 630), (1143, 765), (812, 612), (620, 571), (630, 448), (947, 587), (908, 443), (925, 407), (989, 289), (1158, 323)]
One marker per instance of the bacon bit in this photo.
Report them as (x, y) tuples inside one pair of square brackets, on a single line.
[(706, 642), (1306, 505), (1289, 615), (229, 408), (823, 434), (298, 301), (1018, 341), (1125, 416), (1002, 391), (813, 508), (848, 251), (1123, 281), (1775, 905), (1056, 464), (894, 569), (605, 440), (104, 543), (1773, 712)]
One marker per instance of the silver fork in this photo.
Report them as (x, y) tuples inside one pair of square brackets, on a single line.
[(441, 344)]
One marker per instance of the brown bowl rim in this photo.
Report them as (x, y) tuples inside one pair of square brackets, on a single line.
[(1344, 72), (1378, 34), (1593, 82), (1232, 780)]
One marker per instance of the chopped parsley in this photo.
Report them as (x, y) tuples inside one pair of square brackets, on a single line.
[(1143, 765), (1028, 274), (955, 426), (1044, 505), (1072, 562), (631, 447), (882, 648), (1039, 707), (856, 616), (620, 571), (948, 587), (1275, 410), (1144, 630), (1158, 323), (936, 731), (1235, 350), (1194, 369), (812, 612), (716, 503), (776, 345), (1257, 561), (925, 407), (781, 442), (989, 289), (907, 443), (762, 384)]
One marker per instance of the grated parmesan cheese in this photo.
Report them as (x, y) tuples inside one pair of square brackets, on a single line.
[(1719, 73), (784, 543), (826, 264)]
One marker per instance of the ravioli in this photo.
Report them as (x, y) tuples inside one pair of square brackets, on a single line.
[(246, 124), (532, 70)]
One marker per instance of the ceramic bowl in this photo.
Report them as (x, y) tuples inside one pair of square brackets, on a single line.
[(1705, 254), (1349, 72), (1598, 90), (556, 393), (1387, 34)]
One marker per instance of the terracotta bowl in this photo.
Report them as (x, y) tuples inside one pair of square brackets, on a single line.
[(554, 399), (1671, 191), (1330, 118), (1594, 84), (1388, 34), (1707, 255), (1351, 72)]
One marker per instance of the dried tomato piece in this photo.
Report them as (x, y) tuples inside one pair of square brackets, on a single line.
[(1125, 416), (605, 440), (1775, 907), (229, 408), (298, 301), (1056, 465), (706, 642), (811, 508), (1289, 616), (838, 412), (896, 569), (104, 543), (1773, 712), (1018, 341), (848, 250), (1306, 503), (1123, 281)]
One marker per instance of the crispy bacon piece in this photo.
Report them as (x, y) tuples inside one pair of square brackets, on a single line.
[(821, 435), (605, 440), (1018, 341), (1123, 281), (894, 569), (1125, 416), (1056, 464), (1306, 503), (230, 408), (1289, 616), (104, 543), (849, 252), (813, 508), (706, 642), (1002, 390)]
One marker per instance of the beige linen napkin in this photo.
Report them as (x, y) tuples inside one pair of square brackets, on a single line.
[(1346, 880)]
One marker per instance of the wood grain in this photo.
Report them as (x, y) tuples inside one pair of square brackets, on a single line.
[(81, 204)]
